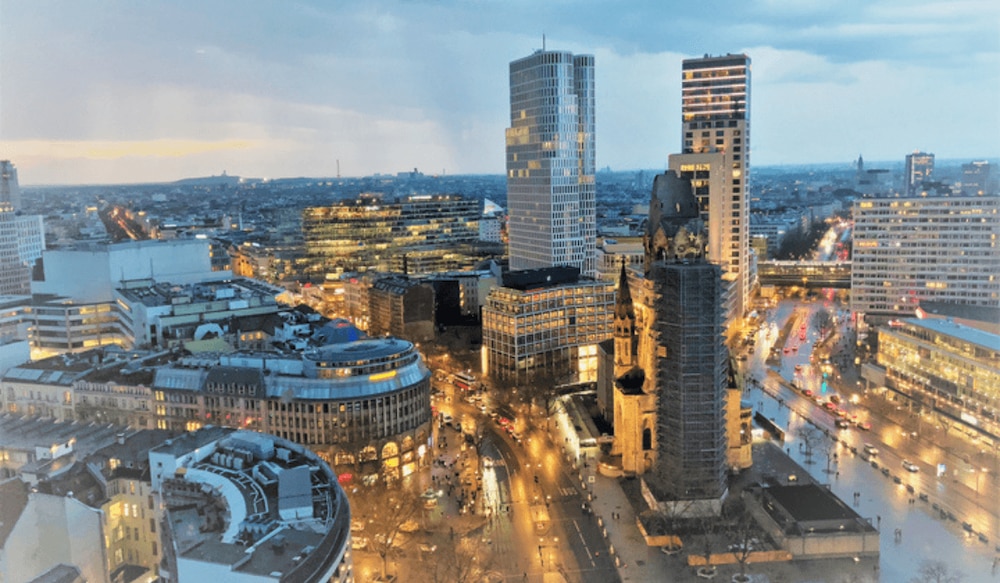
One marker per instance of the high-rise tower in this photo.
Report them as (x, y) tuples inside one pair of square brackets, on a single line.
[(716, 158), (919, 167), (10, 192), (551, 162)]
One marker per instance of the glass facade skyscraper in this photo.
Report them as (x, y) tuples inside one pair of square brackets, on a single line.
[(551, 162)]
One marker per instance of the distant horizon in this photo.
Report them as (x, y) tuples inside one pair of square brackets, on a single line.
[(390, 174), (95, 94)]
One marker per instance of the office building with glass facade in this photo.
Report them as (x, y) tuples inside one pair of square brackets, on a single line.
[(551, 162)]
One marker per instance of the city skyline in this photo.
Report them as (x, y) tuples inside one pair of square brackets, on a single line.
[(91, 93)]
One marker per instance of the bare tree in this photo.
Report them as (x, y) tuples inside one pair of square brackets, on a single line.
[(830, 450), (932, 571), (708, 526), (461, 561), (741, 530), (387, 510), (810, 437), (945, 422), (822, 320)]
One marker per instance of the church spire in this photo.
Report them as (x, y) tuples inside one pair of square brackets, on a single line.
[(623, 301)]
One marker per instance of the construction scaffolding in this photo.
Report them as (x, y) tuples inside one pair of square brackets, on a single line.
[(691, 375)]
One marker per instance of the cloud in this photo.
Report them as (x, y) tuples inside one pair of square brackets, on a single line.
[(388, 85), (110, 150)]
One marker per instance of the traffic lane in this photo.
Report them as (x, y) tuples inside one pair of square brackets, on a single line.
[(589, 549), (889, 465)]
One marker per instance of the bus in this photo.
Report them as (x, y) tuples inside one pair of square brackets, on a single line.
[(464, 381)]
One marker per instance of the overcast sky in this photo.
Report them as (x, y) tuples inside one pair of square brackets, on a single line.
[(105, 92)]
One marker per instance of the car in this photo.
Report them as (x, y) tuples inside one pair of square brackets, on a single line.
[(807, 392), (843, 424), (885, 471), (864, 426), (446, 418), (910, 489), (910, 466), (871, 449)]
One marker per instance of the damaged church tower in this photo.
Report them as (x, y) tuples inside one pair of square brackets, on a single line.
[(690, 364)]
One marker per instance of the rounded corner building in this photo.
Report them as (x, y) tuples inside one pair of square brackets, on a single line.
[(363, 406)]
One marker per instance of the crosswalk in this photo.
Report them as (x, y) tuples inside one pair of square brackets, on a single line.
[(566, 492)]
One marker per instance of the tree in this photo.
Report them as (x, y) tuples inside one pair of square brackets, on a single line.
[(708, 527), (810, 437), (462, 561), (386, 509), (822, 320), (741, 530), (932, 571), (830, 449), (541, 389)]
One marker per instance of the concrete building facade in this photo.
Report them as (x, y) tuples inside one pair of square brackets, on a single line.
[(919, 167), (715, 110), (909, 250)]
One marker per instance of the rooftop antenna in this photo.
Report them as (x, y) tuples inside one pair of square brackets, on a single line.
[(543, 41)]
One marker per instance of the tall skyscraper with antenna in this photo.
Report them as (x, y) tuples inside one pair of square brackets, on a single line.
[(551, 162)]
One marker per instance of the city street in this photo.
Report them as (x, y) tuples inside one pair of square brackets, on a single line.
[(921, 515), (530, 512)]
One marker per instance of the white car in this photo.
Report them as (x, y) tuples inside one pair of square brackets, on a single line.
[(910, 466), (871, 449)]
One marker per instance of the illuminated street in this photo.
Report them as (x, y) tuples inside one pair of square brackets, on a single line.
[(924, 533)]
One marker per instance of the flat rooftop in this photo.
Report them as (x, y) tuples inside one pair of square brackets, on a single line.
[(26, 433), (231, 514), (810, 502)]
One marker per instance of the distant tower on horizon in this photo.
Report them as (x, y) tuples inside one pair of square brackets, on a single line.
[(715, 107), (919, 167), (10, 192), (551, 162)]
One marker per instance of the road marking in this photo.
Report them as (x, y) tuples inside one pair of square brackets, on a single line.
[(567, 491), (579, 533)]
